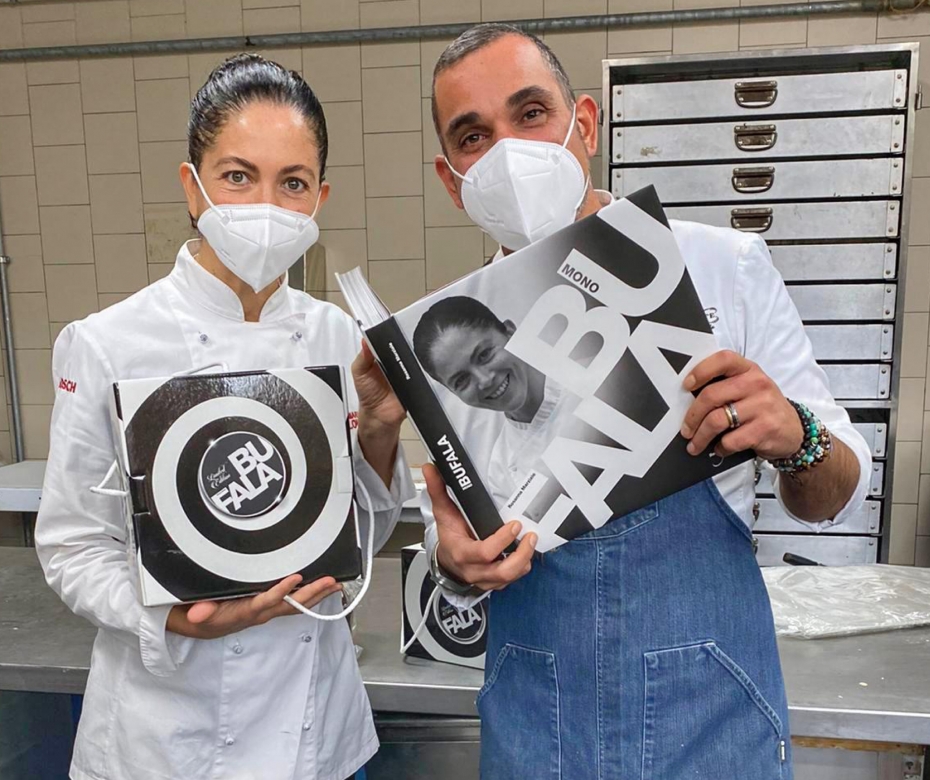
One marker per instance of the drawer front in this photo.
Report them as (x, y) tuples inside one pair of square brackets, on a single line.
[(825, 302), (751, 97), (876, 436), (772, 518), (800, 221), (859, 382), (822, 262), (877, 480), (833, 136), (765, 485), (823, 548), (880, 177), (851, 342)]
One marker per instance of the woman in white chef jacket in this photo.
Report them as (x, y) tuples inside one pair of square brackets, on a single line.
[(245, 688)]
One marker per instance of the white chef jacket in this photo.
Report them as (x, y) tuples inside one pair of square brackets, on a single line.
[(522, 444), (274, 702), (751, 313)]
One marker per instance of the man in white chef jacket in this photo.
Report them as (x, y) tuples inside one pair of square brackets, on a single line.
[(646, 648)]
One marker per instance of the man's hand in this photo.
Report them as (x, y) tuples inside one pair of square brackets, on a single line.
[(768, 424), (214, 619), (379, 415), (467, 559)]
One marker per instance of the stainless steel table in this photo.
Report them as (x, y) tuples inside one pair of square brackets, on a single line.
[(21, 490), (21, 486), (874, 687)]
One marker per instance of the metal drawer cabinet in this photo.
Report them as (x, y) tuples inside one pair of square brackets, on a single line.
[(822, 220), (809, 149), (825, 179), (826, 137), (807, 93)]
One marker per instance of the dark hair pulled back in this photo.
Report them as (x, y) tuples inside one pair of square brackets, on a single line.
[(239, 81), (455, 312)]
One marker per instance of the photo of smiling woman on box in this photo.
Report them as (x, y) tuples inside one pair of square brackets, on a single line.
[(244, 687), (462, 344)]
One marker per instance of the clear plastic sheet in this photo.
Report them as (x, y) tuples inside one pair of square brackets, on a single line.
[(813, 602)]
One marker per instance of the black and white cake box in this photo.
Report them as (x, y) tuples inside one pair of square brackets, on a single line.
[(236, 481), (449, 635)]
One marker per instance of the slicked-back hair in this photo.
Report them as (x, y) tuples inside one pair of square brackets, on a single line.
[(455, 312), (240, 81), (481, 35)]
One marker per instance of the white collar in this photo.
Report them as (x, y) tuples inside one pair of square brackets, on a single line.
[(196, 282), (552, 394)]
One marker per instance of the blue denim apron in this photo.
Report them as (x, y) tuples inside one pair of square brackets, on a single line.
[(644, 650)]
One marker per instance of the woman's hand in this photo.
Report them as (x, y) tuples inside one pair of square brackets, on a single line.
[(214, 619), (380, 414)]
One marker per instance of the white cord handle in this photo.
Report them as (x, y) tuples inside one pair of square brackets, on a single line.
[(99, 488), (426, 612), (369, 558)]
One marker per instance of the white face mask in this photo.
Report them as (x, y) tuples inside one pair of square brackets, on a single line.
[(258, 242), (522, 190)]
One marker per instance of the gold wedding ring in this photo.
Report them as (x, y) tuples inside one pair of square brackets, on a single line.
[(732, 416)]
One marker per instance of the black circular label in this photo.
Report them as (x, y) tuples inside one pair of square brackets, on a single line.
[(465, 627), (242, 475), (461, 634)]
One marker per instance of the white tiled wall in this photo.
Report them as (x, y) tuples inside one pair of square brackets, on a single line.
[(92, 209)]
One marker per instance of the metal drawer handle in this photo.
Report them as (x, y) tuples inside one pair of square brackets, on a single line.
[(755, 138), (751, 220), (753, 179), (756, 94)]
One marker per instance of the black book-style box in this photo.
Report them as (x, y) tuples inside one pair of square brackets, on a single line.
[(449, 635), (547, 385), (236, 481)]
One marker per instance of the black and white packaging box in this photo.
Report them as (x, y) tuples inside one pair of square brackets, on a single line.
[(236, 481), (449, 635)]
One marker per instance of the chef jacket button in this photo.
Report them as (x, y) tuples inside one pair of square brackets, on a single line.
[(306, 638), (306, 727), (237, 649), (230, 741), (297, 336), (204, 338)]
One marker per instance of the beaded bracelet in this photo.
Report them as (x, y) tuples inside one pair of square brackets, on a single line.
[(814, 450)]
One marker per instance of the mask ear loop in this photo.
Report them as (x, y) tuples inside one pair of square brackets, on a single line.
[(316, 208), (369, 559), (571, 126), (203, 192)]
